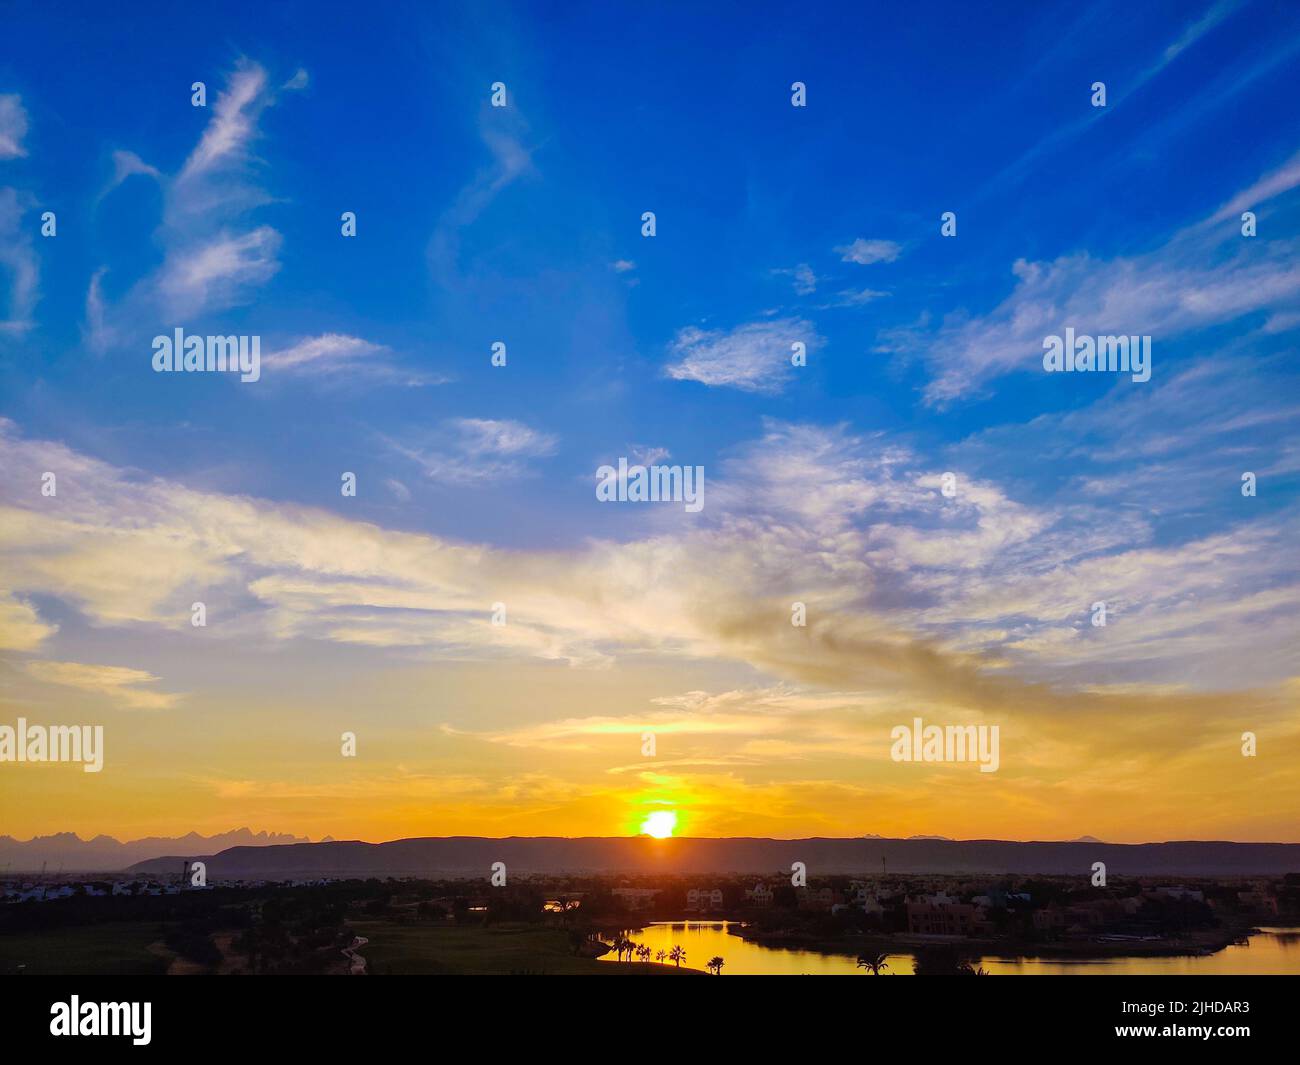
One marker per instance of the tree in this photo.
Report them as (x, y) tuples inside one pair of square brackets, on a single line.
[(714, 965), (943, 961), (643, 952), (874, 962), (660, 956), (623, 943), (677, 956)]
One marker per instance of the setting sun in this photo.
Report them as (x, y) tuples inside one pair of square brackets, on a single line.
[(660, 823)]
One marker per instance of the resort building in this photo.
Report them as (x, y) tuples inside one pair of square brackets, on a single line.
[(704, 900), (815, 898), (635, 898), (941, 915)]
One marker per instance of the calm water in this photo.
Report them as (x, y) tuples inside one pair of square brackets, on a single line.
[(1273, 951)]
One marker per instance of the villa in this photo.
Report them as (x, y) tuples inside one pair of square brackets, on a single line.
[(704, 900), (635, 898)]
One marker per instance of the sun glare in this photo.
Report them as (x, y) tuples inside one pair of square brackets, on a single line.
[(660, 823)]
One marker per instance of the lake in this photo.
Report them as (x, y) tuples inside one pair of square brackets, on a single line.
[(1273, 951)]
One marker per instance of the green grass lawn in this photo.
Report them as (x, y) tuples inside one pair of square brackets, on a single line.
[(111, 949), (400, 950)]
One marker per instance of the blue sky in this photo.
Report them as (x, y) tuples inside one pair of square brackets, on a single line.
[(523, 224), (689, 119)]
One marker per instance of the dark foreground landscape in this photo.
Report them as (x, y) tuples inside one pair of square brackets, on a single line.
[(640, 905)]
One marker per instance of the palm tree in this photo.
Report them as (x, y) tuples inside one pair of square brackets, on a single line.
[(677, 956), (643, 952), (660, 956), (714, 965), (874, 962)]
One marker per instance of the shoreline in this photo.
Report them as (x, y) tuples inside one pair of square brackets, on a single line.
[(1203, 944)]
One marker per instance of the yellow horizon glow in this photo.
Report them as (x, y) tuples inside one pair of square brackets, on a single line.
[(762, 729)]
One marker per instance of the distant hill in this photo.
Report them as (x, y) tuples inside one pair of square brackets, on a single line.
[(472, 856), (71, 853)]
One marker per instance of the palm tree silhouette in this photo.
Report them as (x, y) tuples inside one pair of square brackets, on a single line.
[(660, 956), (874, 962), (714, 965), (623, 944), (643, 952), (677, 955)]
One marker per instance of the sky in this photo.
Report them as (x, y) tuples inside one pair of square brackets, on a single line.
[(968, 599)]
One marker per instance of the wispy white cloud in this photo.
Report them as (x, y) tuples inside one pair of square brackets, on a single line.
[(478, 450), (220, 270), (340, 358), (1198, 278), (213, 257), (804, 278), (1157, 295), (1118, 93), (865, 252), (1214, 15), (118, 684), (325, 353), (21, 627), (96, 331), (486, 436), (510, 162), (904, 585), (233, 124), (752, 358), (13, 126), (126, 165), (856, 297), (18, 260), (646, 454), (1283, 179)]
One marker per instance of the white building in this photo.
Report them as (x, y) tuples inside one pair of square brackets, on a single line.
[(704, 900)]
